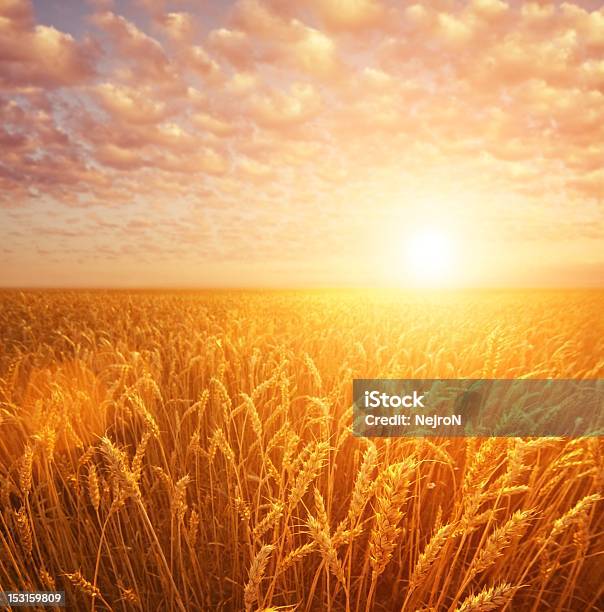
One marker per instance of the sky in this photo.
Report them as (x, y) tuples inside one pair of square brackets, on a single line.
[(317, 143)]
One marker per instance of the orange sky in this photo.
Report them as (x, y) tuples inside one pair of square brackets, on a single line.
[(268, 142)]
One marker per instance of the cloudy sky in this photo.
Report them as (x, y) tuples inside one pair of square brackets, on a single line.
[(270, 142)]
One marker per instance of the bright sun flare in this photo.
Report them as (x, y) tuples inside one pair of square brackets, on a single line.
[(429, 257)]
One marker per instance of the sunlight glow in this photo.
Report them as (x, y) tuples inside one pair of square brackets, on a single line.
[(429, 257)]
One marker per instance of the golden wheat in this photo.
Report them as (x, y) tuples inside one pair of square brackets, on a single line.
[(193, 451)]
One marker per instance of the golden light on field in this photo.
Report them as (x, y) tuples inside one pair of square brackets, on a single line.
[(192, 451), (187, 445)]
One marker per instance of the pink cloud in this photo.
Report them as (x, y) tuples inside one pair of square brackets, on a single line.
[(144, 54), (40, 55), (316, 107), (278, 109)]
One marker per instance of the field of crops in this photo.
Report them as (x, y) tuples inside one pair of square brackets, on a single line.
[(192, 451)]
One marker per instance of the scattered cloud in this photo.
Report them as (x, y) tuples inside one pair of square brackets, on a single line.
[(36, 55), (268, 126)]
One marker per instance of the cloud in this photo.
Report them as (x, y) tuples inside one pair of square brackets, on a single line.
[(261, 35), (234, 46), (179, 27), (290, 116), (349, 15), (199, 60), (118, 157), (213, 124), (129, 104), (135, 48), (278, 109), (40, 55)]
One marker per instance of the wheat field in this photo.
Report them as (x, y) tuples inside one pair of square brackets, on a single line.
[(193, 451)]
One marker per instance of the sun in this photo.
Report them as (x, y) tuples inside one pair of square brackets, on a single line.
[(429, 257)]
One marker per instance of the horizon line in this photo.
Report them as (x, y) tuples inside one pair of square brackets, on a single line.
[(444, 288)]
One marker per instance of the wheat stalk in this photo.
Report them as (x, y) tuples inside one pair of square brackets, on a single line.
[(491, 598), (574, 515), (429, 555), (85, 586), (499, 540), (251, 592), (388, 514), (93, 487), (25, 470)]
